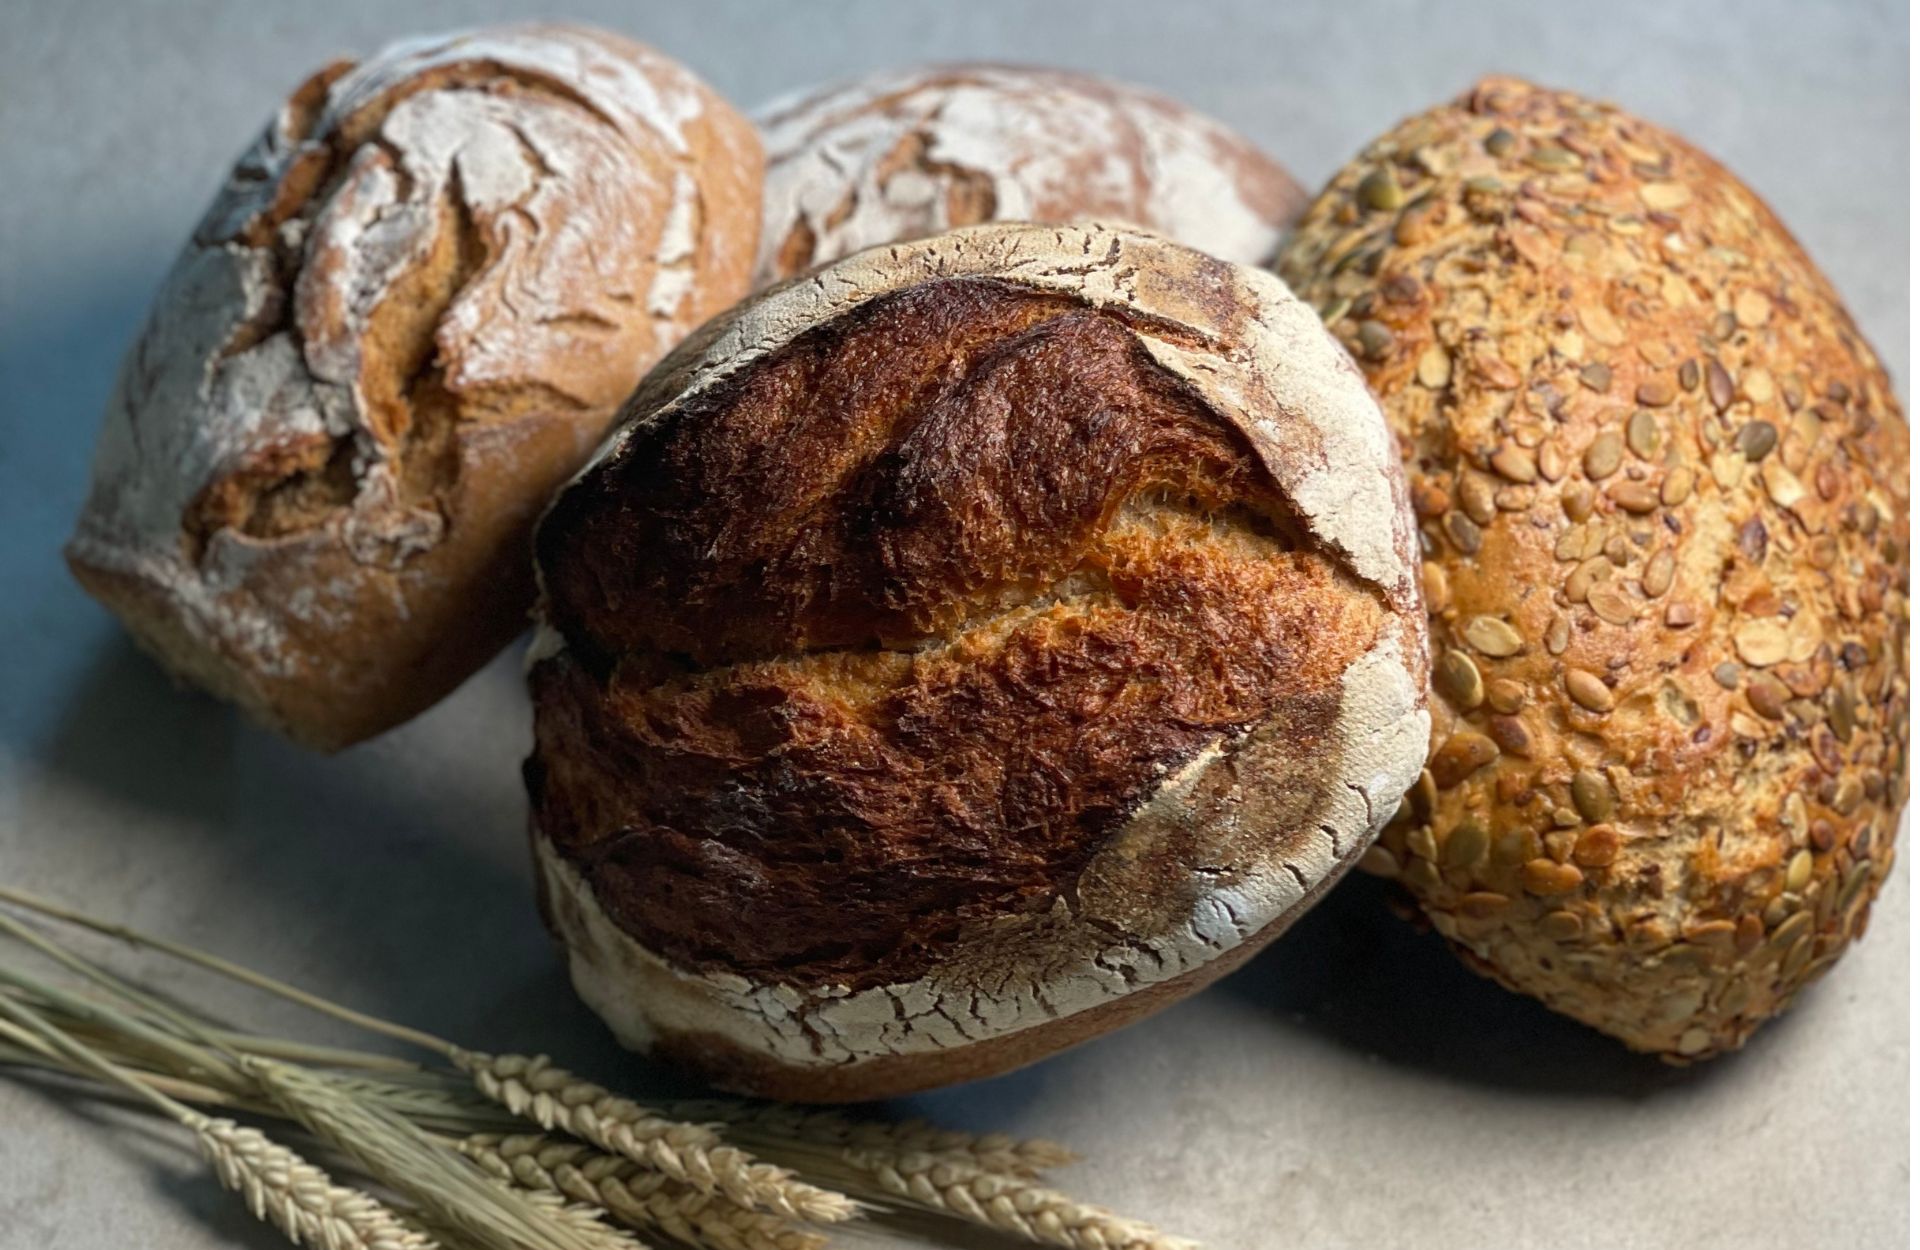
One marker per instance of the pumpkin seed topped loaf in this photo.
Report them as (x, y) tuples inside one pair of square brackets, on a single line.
[(1661, 482)]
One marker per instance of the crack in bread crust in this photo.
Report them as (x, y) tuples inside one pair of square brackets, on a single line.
[(967, 637), (739, 729)]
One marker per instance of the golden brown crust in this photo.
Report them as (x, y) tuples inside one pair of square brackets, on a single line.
[(953, 636), (1663, 492), (405, 320)]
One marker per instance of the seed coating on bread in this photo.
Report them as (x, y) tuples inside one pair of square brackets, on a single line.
[(407, 317), (910, 153), (954, 645), (1663, 495)]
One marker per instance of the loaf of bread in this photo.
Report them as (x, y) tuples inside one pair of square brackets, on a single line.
[(963, 652), (909, 153), (409, 314), (1663, 496)]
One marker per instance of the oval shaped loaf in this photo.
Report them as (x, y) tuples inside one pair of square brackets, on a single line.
[(909, 153), (1663, 496), (407, 317), (962, 651)]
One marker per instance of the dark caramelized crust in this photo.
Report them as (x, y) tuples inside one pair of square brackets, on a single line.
[(882, 637)]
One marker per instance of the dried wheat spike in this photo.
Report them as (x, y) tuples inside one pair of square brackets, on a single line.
[(1011, 1204), (633, 1194), (554, 1098), (992, 1152), (296, 1197)]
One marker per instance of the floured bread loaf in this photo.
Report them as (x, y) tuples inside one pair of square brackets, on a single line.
[(963, 651), (1663, 491), (406, 318), (909, 153)]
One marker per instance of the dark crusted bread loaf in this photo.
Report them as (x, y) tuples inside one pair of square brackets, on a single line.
[(407, 317), (908, 153), (962, 651), (1663, 497)]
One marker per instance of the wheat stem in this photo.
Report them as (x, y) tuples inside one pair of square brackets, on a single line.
[(278, 1185), (445, 1186), (226, 968), (554, 1098)]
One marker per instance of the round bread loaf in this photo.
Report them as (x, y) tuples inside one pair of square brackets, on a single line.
[(909, 153), (1663, 497), (407, 317), (962, 652)]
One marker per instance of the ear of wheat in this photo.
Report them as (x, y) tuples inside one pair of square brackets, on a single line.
[(555, 1098), (608, 1174), (634, 1195)]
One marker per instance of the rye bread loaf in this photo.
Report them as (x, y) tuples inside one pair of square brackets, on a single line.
[(409, 314), (1663, 497), (962, 651), (909, 153)]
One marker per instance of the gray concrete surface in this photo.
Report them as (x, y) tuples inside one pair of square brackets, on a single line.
[(1352, 1087)]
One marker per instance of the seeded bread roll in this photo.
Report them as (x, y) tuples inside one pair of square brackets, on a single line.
[(962, 652), (909, 153), (1663, 496), (407, 317)]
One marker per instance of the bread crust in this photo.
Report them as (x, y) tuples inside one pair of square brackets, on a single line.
[(908, 153), (1663, 491), (407, 317), (871, 751)]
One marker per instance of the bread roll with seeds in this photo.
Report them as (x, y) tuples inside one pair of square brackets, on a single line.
[(409, 314), (1663, 497), (962, 652), (909, 153)]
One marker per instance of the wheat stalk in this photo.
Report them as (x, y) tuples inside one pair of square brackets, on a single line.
[(554, 1098), (447, 1188), (1009, 1203), (778, 1122), (635, 1195), (297, 1197)]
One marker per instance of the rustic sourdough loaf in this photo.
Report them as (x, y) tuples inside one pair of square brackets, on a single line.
[(908, 153), (408, 315), (1663, 498), (962, 651)]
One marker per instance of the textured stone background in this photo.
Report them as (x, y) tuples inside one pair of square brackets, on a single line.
[(1352, 1087)]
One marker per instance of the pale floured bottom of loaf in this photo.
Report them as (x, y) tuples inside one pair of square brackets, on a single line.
[(1031, 983)]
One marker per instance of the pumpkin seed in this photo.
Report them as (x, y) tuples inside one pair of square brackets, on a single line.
[(1547, 879), (1500, 143), (1719, 385), (1376, 340), (1561, 925), (1380, 190), (1595, 376), (1513, 463), (1603, 455), (1457, 677), (1657, 578), (1489, 635), (1643, 434), (1664, 197), (1589, 691), (1593, 796), (1467, 844), (1799, 871), (1677, 485), (1655, 392), (1756, 439)]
